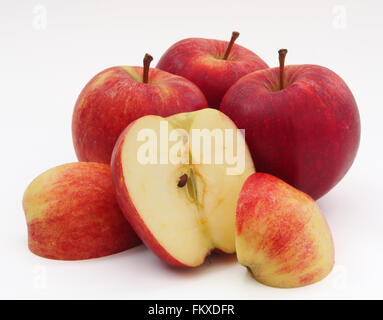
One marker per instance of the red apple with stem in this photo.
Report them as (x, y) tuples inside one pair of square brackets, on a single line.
[(302, 124), (119, 95), (213, 65)]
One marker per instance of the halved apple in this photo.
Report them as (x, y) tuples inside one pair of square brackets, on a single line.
[(182, 210)]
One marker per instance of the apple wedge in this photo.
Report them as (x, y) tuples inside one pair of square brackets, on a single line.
[(181, 210), (282, 236)]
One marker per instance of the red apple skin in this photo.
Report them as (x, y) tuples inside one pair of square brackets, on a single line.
[(282, 235), (200, 61), (72, 214), (306, 134), (116, 97), (129, 209)]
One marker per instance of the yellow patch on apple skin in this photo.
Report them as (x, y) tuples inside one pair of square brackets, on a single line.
[(133, 72), (34, 198), (100, 78), (94, 84)]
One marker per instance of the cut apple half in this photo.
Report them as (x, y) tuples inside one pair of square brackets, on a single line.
[(180, 195)]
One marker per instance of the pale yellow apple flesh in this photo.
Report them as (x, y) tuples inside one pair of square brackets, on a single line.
[(185, 222)]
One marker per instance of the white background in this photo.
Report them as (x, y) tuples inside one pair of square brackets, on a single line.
[(50, 49)]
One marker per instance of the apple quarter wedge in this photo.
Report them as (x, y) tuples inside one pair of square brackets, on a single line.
[(182, 211)]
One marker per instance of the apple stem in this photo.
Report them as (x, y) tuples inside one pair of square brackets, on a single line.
[(147, 60), (282, 55), (182, 181), (234, 37)]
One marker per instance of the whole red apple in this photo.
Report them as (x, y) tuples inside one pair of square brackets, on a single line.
[(304, 129), (119, 95), (213, 65)]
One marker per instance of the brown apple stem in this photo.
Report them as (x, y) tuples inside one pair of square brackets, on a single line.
[(182, 181), (234, 37), (145, 75), (282, 57)]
